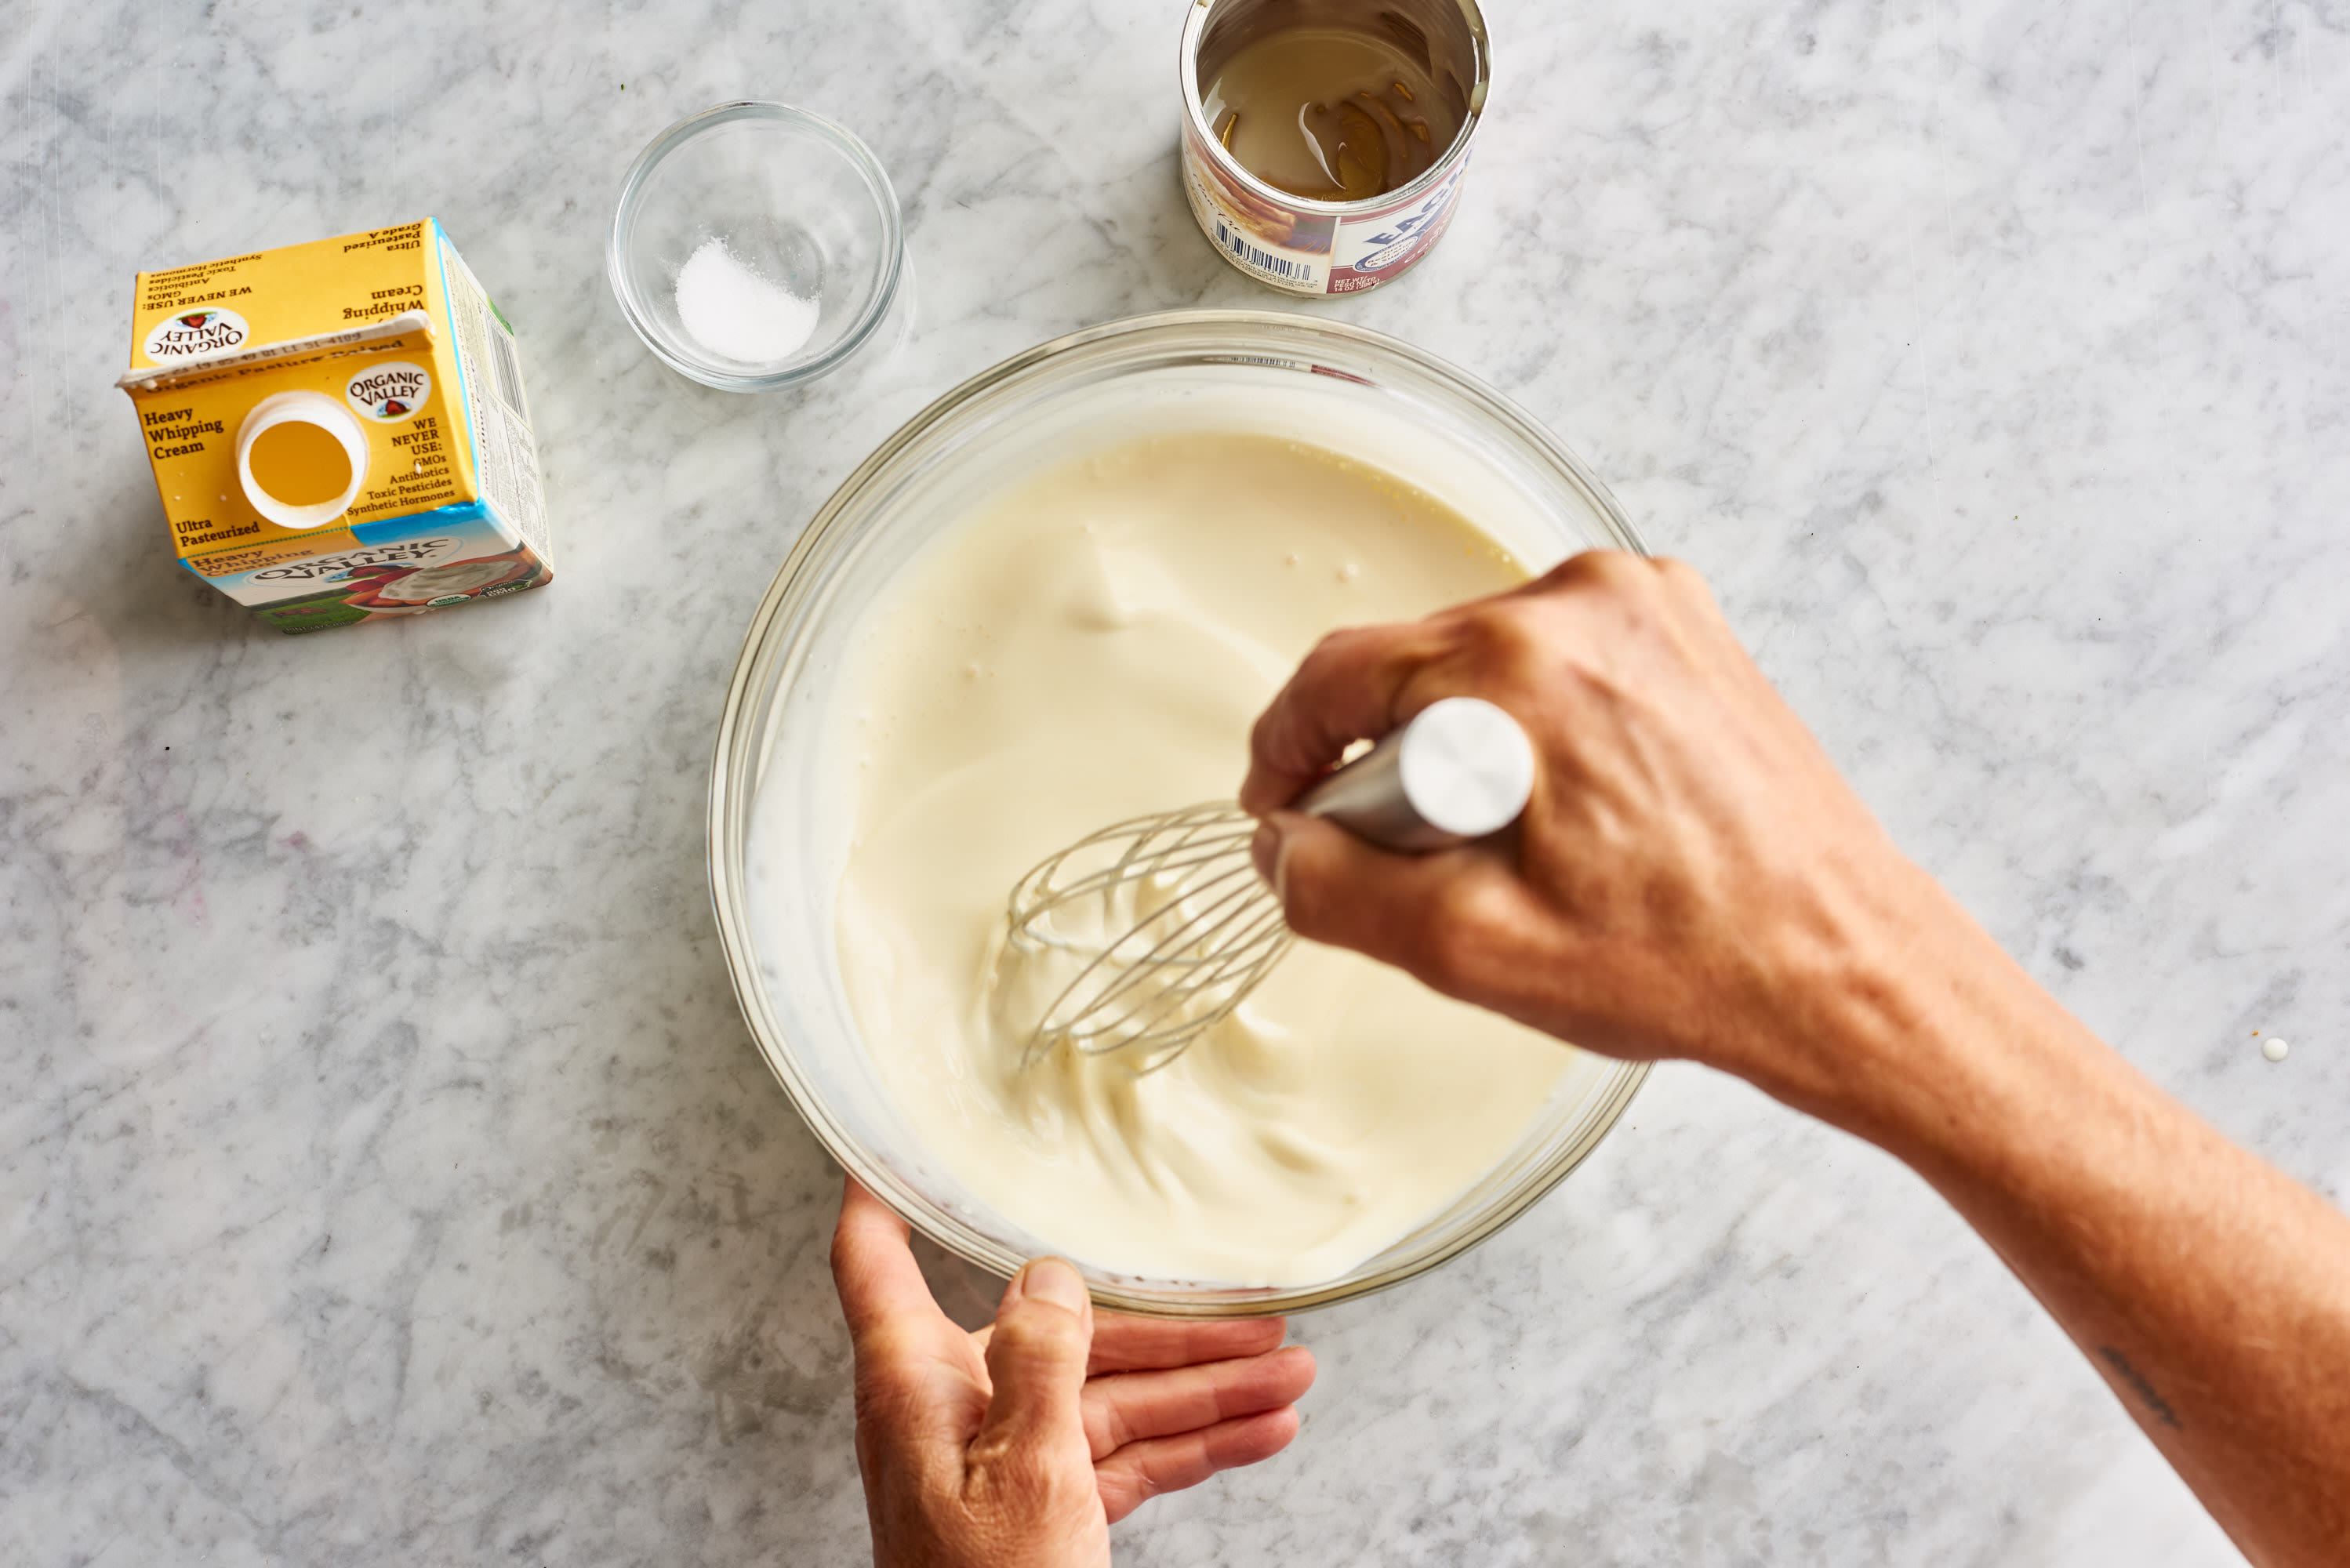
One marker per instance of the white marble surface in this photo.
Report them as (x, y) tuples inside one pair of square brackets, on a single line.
[(385, 1175)]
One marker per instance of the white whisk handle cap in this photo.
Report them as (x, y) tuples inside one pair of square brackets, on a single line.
[(1468, 768), (1462, 769)]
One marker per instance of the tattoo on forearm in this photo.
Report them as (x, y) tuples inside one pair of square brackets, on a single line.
[(2156, 1404)]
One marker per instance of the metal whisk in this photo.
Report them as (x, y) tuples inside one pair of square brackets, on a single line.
[(1167, 920)]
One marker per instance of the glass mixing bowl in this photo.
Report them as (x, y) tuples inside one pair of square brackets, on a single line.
[(779, 792)]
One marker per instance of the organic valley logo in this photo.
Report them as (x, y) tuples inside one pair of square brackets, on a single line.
[(196, 334), (392, 390), (336, 568)]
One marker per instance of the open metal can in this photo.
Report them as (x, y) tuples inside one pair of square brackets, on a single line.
[(1320, 247)]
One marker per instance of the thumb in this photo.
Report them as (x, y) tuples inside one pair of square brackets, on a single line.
[(1036, 1359), (1342, 889)]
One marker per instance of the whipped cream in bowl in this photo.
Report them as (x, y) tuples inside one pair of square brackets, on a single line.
[(1058, 597)]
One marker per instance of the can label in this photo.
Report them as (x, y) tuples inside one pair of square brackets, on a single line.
[(1312, 253)]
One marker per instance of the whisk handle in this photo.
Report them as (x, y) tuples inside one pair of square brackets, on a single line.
[(1462, 769)]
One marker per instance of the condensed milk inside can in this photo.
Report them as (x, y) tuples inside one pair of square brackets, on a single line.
[(1325, 140)]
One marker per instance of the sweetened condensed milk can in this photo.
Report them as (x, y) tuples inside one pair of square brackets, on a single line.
[(1325, 140)]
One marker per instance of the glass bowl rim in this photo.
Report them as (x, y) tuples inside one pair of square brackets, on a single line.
[(859, 157), (824, 535)]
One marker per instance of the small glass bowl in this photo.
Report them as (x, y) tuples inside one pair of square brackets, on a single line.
[(796, 199)]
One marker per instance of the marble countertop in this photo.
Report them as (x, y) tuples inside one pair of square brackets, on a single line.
[(386, 1176)]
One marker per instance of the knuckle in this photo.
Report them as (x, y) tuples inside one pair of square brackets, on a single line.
[(1304, 903), (1617, 567), (1594, 568), (1683, 580), (1337, 649), (1034, 1327), (1608, 575), (1513, 635), (1500, 645), (1303, 912), (1107, 1429), (1272, 739)]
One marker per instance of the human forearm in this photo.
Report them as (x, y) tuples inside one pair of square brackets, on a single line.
[(2211, 1291), (1693, 878)]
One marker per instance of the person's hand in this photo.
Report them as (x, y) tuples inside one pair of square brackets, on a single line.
[(1691, 864), (1019, 1446), (1693, 878)]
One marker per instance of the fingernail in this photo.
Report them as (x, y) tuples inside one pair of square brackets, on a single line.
[(1265, 854), (1051, 1280)]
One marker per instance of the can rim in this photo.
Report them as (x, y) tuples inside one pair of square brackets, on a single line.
[(1195, 116)]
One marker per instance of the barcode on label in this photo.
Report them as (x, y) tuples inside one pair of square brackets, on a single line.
[(505, 372), (506, 459), (1280, 267)]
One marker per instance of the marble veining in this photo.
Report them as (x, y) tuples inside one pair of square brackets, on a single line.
[(385, 1174)]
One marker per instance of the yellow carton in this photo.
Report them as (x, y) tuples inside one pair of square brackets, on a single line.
[(338, 429)]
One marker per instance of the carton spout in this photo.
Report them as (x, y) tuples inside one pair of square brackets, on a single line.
[(301, 458)]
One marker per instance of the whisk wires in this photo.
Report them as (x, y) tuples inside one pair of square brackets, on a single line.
[(1174, 928)]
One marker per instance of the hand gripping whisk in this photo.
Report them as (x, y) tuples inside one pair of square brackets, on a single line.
[(1168, 926)]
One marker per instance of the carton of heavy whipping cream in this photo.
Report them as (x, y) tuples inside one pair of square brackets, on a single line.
[(338, 429)]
